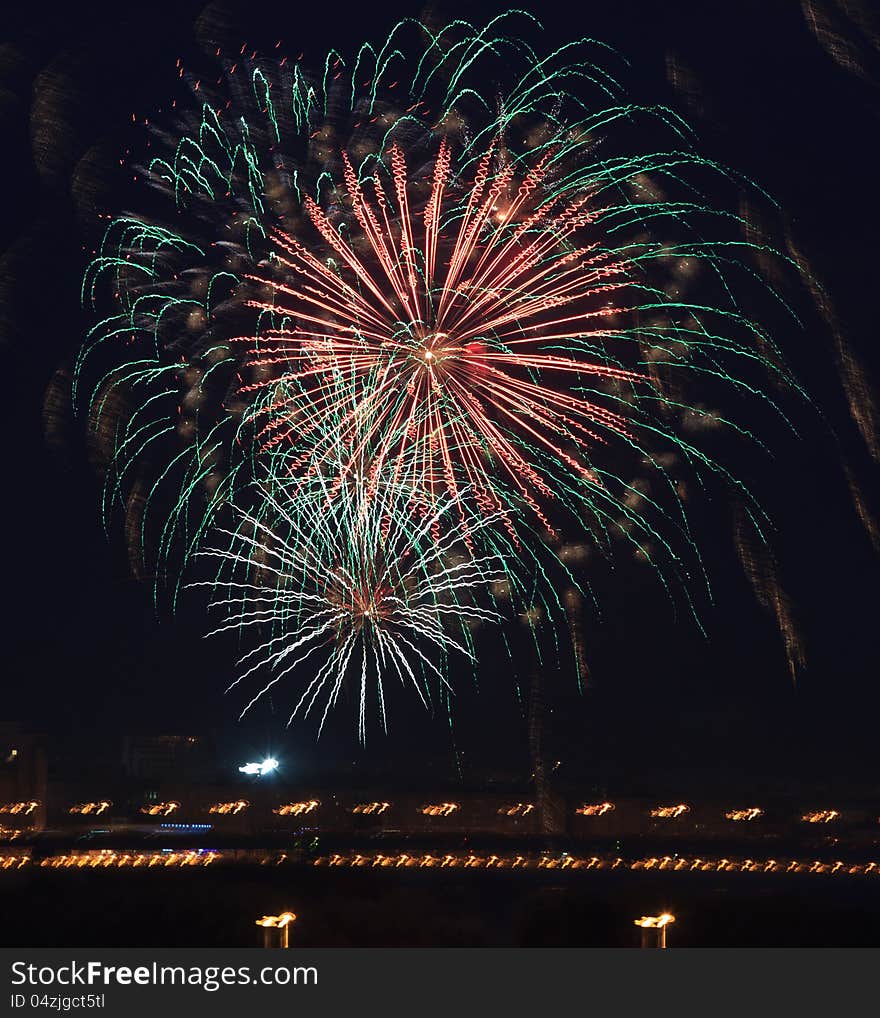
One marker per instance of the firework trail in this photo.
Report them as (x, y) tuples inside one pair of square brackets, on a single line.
[(857, 388), (850, 35), (760, 567)]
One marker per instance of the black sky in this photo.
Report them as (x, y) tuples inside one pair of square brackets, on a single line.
[(82, 647)]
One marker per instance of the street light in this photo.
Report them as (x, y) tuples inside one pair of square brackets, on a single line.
[(654, 929), (275, 929)]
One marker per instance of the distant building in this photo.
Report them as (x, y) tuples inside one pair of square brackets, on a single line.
[(158, 758), (23, 779)]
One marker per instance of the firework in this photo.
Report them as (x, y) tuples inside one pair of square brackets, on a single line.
[(443, 328), (410, 328), (499, 282), (346, 590)]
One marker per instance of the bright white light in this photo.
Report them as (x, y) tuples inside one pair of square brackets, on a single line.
[(260, 769)]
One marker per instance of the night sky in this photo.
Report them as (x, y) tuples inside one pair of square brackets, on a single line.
[(787, 96)]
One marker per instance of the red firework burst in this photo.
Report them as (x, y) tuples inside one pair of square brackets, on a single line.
[(452, 316)]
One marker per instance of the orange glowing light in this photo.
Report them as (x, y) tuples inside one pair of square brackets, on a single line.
[(521, 809), (225, 808), (18, 808), (277, 921), (656, 922), (670, 812), (91, 808), (296, 809), (160, 809), (752, 813), (369, 808), (821, 816), (440, 809), (596, 809)]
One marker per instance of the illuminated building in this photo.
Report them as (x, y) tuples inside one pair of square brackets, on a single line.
[(23, 779)]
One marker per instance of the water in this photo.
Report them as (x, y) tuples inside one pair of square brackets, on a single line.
[(217, 906)]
